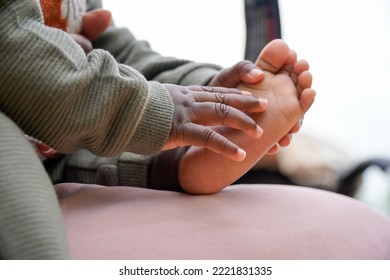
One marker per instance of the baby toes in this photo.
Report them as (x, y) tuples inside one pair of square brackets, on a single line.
[(307, 98), (305, 80)]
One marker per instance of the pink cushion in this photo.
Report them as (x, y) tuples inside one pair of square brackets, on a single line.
[(240, 222)]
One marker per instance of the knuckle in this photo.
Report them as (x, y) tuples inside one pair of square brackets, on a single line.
[(222, 110), (207, 88), (185, 91), (218, 89), (188, 99), (218, 143), (208, 136), (220, 97)]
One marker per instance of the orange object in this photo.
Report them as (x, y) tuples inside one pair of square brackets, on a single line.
[(66, 15), (52, 14)]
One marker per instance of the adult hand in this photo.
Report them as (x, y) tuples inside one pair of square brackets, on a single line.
[(243, 71), (246, 71), (197, 108)]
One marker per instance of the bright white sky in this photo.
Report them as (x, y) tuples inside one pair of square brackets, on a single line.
[(347, 43)]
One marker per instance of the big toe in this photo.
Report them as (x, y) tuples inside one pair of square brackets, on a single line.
[(274, 56)]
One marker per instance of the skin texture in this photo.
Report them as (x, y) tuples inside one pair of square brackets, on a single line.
[(197, 108), (94, 24)]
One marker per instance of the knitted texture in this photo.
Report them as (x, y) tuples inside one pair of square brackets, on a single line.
[(30, 219), (68, 100)]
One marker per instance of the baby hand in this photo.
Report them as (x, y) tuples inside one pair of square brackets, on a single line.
[(95, 22), (198, 107)]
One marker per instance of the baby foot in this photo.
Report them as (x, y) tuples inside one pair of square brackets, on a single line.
[(286, 86)]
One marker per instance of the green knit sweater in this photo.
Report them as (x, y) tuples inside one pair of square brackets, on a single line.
[(57, 94)]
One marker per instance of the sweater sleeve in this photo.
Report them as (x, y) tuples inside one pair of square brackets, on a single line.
[(57, 94), (123, 45)]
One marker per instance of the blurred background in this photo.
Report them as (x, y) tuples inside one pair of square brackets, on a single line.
[(347, 43)]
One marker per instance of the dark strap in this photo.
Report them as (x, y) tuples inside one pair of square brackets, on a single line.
[(262, 24)]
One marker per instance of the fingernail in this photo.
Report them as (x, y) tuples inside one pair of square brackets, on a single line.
[(255, 73), (263, 101), (242, 154), (259, 131)]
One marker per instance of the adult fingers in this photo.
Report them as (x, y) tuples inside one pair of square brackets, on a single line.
[(231, 97), (243, 71), (213, 89), (205, 137), (208, 113)]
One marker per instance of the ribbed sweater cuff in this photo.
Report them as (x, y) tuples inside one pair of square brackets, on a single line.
[(155, 124)]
